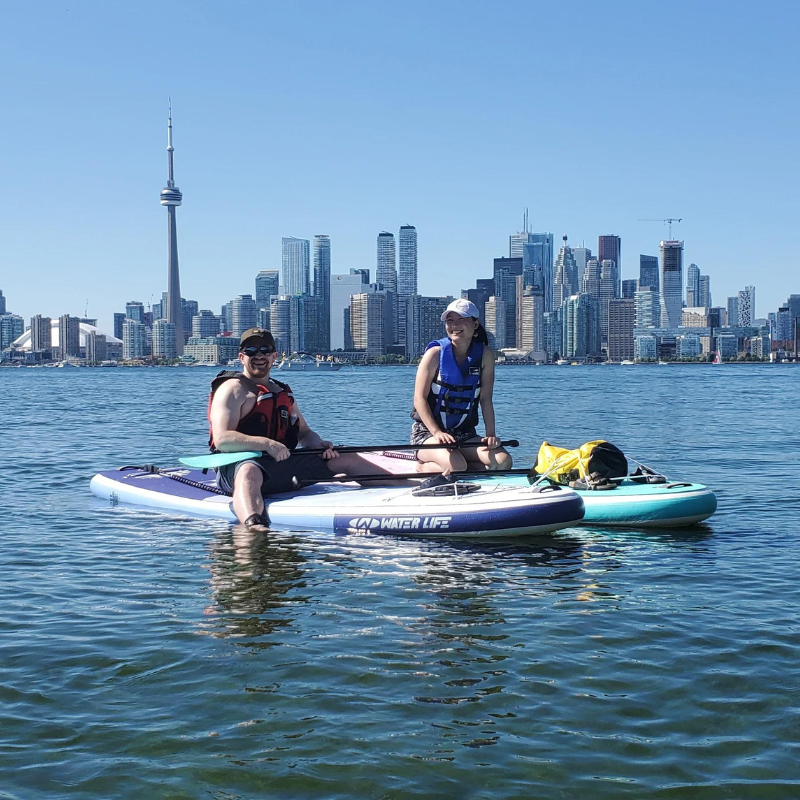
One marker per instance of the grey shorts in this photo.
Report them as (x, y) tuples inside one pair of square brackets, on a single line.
[(278, 475), (419, 433)]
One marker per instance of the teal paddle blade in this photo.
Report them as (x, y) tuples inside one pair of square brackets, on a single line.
[(213, 460)]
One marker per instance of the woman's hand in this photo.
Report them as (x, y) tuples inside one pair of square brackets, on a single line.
[(491, 442), (442, 437)]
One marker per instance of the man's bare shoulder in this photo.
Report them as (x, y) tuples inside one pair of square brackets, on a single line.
[(234, 389)]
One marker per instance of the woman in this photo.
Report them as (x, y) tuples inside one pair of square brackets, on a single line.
[(454, 378)]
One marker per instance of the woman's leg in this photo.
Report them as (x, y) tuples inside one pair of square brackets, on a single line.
[(492, 460), (444, 460)]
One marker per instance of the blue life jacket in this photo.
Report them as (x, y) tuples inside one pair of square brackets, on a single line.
[(456, 389)]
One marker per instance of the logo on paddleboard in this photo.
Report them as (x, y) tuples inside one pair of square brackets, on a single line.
[(363, 525)]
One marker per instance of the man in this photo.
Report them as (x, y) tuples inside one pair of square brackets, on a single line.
[(248, 410)]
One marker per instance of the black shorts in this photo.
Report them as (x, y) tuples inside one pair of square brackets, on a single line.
[(278, 475), (419, 433)]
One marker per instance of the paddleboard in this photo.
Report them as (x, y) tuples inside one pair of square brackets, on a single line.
[(484, 509), (656, 505)]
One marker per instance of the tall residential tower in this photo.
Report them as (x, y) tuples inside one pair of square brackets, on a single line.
[(171, 197)]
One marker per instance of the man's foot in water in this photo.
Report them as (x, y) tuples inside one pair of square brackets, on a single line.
[(257, 523)]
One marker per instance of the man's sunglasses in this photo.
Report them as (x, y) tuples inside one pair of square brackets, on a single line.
[(265, 350)]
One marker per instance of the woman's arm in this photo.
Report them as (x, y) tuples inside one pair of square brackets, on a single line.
[(487, 406), (426, 372)]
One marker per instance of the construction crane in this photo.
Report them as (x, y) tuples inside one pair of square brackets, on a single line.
[(668, 220)]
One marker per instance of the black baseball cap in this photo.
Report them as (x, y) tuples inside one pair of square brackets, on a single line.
[(256, 336)]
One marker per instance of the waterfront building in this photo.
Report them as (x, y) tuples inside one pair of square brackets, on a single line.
[(621, 322), (2, 303), (370, 322), (322, 289), (171, 197), (553, 334), (728, 345), (134, 340), (69, 337), (648, 273), (386, 267), (609, 290), (496, 327), (733, 311), (164, 343), (506, 285), (629, 288), (645, 347), (243, 314), (267, 284), (41, 334), (565, 275), (295, 265), (212, 349), (747, 306), (134, 310), (609, 247), (530, 319), (12, 326), (204, 324), (424, 322), (695, 317), (693, 285), (760, 346), (226, 315), (306, 324), (784, 324), (342, 287), (280, 315), (96, 347), (688, 345), (581, 320), (648, 308), (671, 283)]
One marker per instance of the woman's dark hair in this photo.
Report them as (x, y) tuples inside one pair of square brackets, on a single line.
[(480, 334)]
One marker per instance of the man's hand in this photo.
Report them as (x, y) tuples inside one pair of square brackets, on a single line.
[(492, 442), (442, 437), (278, 451), (329, 451)]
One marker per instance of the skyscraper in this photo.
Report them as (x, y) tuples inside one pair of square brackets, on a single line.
[(69, 336), (407, 274), (671, 283), (243, 314), (581, 322), (506, 271), (621, 322), (704, 298), (2, 303), (370, 323), (267, 285), (733, 311), (386, 272), (171, 197), (41, 333), (280, 315), (629, 288), (537, 253), (322, 290), (565, 275), (747, 306), (295, 265), (342, 287), (164, 343), (496, 327), (610, 247), (648, 273), (693, 286)]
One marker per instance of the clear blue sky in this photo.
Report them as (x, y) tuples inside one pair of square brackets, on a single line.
[(345, 118)]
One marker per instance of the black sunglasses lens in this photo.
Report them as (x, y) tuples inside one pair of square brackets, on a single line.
[(251, 351)]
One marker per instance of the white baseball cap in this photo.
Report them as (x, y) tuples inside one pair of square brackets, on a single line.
[(462, 307)]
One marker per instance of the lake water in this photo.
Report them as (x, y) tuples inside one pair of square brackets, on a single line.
[(144, 655)]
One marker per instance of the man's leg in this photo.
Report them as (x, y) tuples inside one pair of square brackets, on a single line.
[(247, 499)]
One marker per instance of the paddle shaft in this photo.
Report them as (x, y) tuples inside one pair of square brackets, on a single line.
[(299, 483)]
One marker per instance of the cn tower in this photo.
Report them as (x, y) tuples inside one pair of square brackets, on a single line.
[(171, 198)]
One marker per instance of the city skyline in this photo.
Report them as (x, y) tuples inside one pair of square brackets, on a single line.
[(388, 151)]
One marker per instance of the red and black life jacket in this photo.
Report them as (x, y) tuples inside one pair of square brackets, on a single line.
[(273, 415)]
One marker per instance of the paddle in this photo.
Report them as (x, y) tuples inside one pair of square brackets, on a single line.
[(301, 483), (213, 460)]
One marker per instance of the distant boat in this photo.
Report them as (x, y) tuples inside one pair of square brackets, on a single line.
[(626, 361), (717, 357), (562, 361), (303, 362)]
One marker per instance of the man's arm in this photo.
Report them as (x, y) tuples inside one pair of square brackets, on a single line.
[(226, 413)]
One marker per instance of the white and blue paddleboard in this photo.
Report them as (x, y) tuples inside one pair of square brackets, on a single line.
[(480, 509)]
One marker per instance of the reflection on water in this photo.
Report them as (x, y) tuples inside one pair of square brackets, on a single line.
[(251, 576)]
